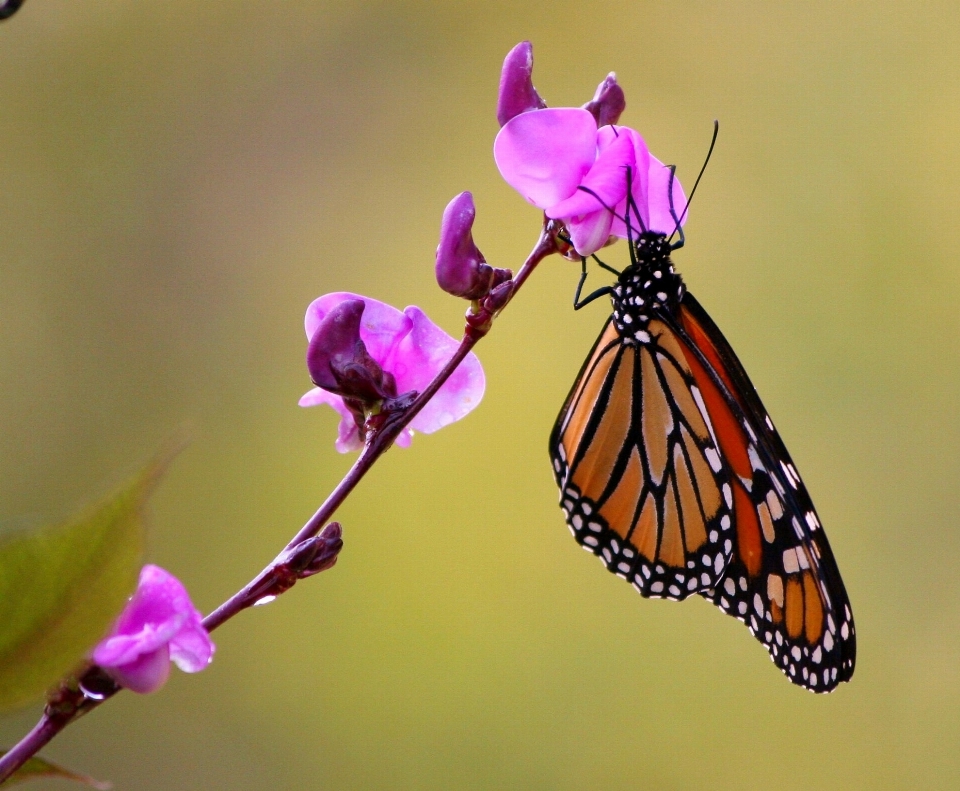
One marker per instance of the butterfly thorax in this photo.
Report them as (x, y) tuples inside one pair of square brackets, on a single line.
[(650, 285)]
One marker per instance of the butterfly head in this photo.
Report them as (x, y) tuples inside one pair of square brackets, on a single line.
[(648, 286)]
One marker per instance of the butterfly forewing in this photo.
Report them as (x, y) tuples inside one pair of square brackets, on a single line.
[(782, 581), (641, 480)]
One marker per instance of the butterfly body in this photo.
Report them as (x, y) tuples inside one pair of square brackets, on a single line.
[(671, 472)]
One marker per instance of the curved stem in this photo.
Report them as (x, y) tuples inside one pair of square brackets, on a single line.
[(52, 722)]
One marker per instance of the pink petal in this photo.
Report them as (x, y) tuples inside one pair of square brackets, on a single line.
[(659, 198), (544, 154), (145, 675), (604, 185), (122, 649), (348, 437), (639, 179), (420, 356), (590, 232), (380, 328), (159, 597), (192, 649)]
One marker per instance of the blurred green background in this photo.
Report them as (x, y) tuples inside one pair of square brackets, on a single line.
[(180, 179)]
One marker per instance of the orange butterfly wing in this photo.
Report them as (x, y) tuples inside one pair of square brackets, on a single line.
[(641, 481), (782, 581)]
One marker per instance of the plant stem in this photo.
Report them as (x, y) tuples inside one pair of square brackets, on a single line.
[(30, 745), (53, 721)]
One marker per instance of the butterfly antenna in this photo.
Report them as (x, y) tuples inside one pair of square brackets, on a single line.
[(633, 252), (713, 142), (678, 228)]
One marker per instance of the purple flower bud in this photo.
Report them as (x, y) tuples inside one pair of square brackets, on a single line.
[(338, 360), (158, 625), (329, 544), (461, 268), (498, 297), (517, 94), (608, 102)]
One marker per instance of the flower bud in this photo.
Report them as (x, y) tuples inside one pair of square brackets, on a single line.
[(461, 267), (608, 102), (338, 360), (517, 94), (329, 544), (498, 297)]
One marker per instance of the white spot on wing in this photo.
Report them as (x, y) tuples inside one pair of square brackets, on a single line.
[(713, 458), (774, 504), (754, 457), (791, 564)]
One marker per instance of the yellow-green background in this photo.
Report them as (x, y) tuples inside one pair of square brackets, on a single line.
[(178, 181)]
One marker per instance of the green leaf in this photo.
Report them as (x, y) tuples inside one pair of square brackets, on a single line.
[(62, 586), (38, 767)]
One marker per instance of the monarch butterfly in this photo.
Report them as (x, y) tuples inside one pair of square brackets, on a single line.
[(671, 471)]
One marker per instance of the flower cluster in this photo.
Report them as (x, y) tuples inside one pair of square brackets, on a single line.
[(591, 175)]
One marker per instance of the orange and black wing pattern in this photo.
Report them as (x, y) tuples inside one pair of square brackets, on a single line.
[(782, 580), (642, 482)]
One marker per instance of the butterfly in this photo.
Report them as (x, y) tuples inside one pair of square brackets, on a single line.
[(671, 471)]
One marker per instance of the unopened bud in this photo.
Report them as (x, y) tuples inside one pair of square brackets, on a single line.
[(498, 297), (517, 94), (329, 544), (461, 268), (608, 102)]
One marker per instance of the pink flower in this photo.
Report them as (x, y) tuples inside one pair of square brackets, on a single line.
[(559, 161), (158, 625), (410, 348), (573, 163)]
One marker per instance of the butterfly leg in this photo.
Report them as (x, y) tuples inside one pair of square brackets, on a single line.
[(600, 292)]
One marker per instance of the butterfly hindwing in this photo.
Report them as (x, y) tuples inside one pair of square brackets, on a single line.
[(641, 480), (782, 580)]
